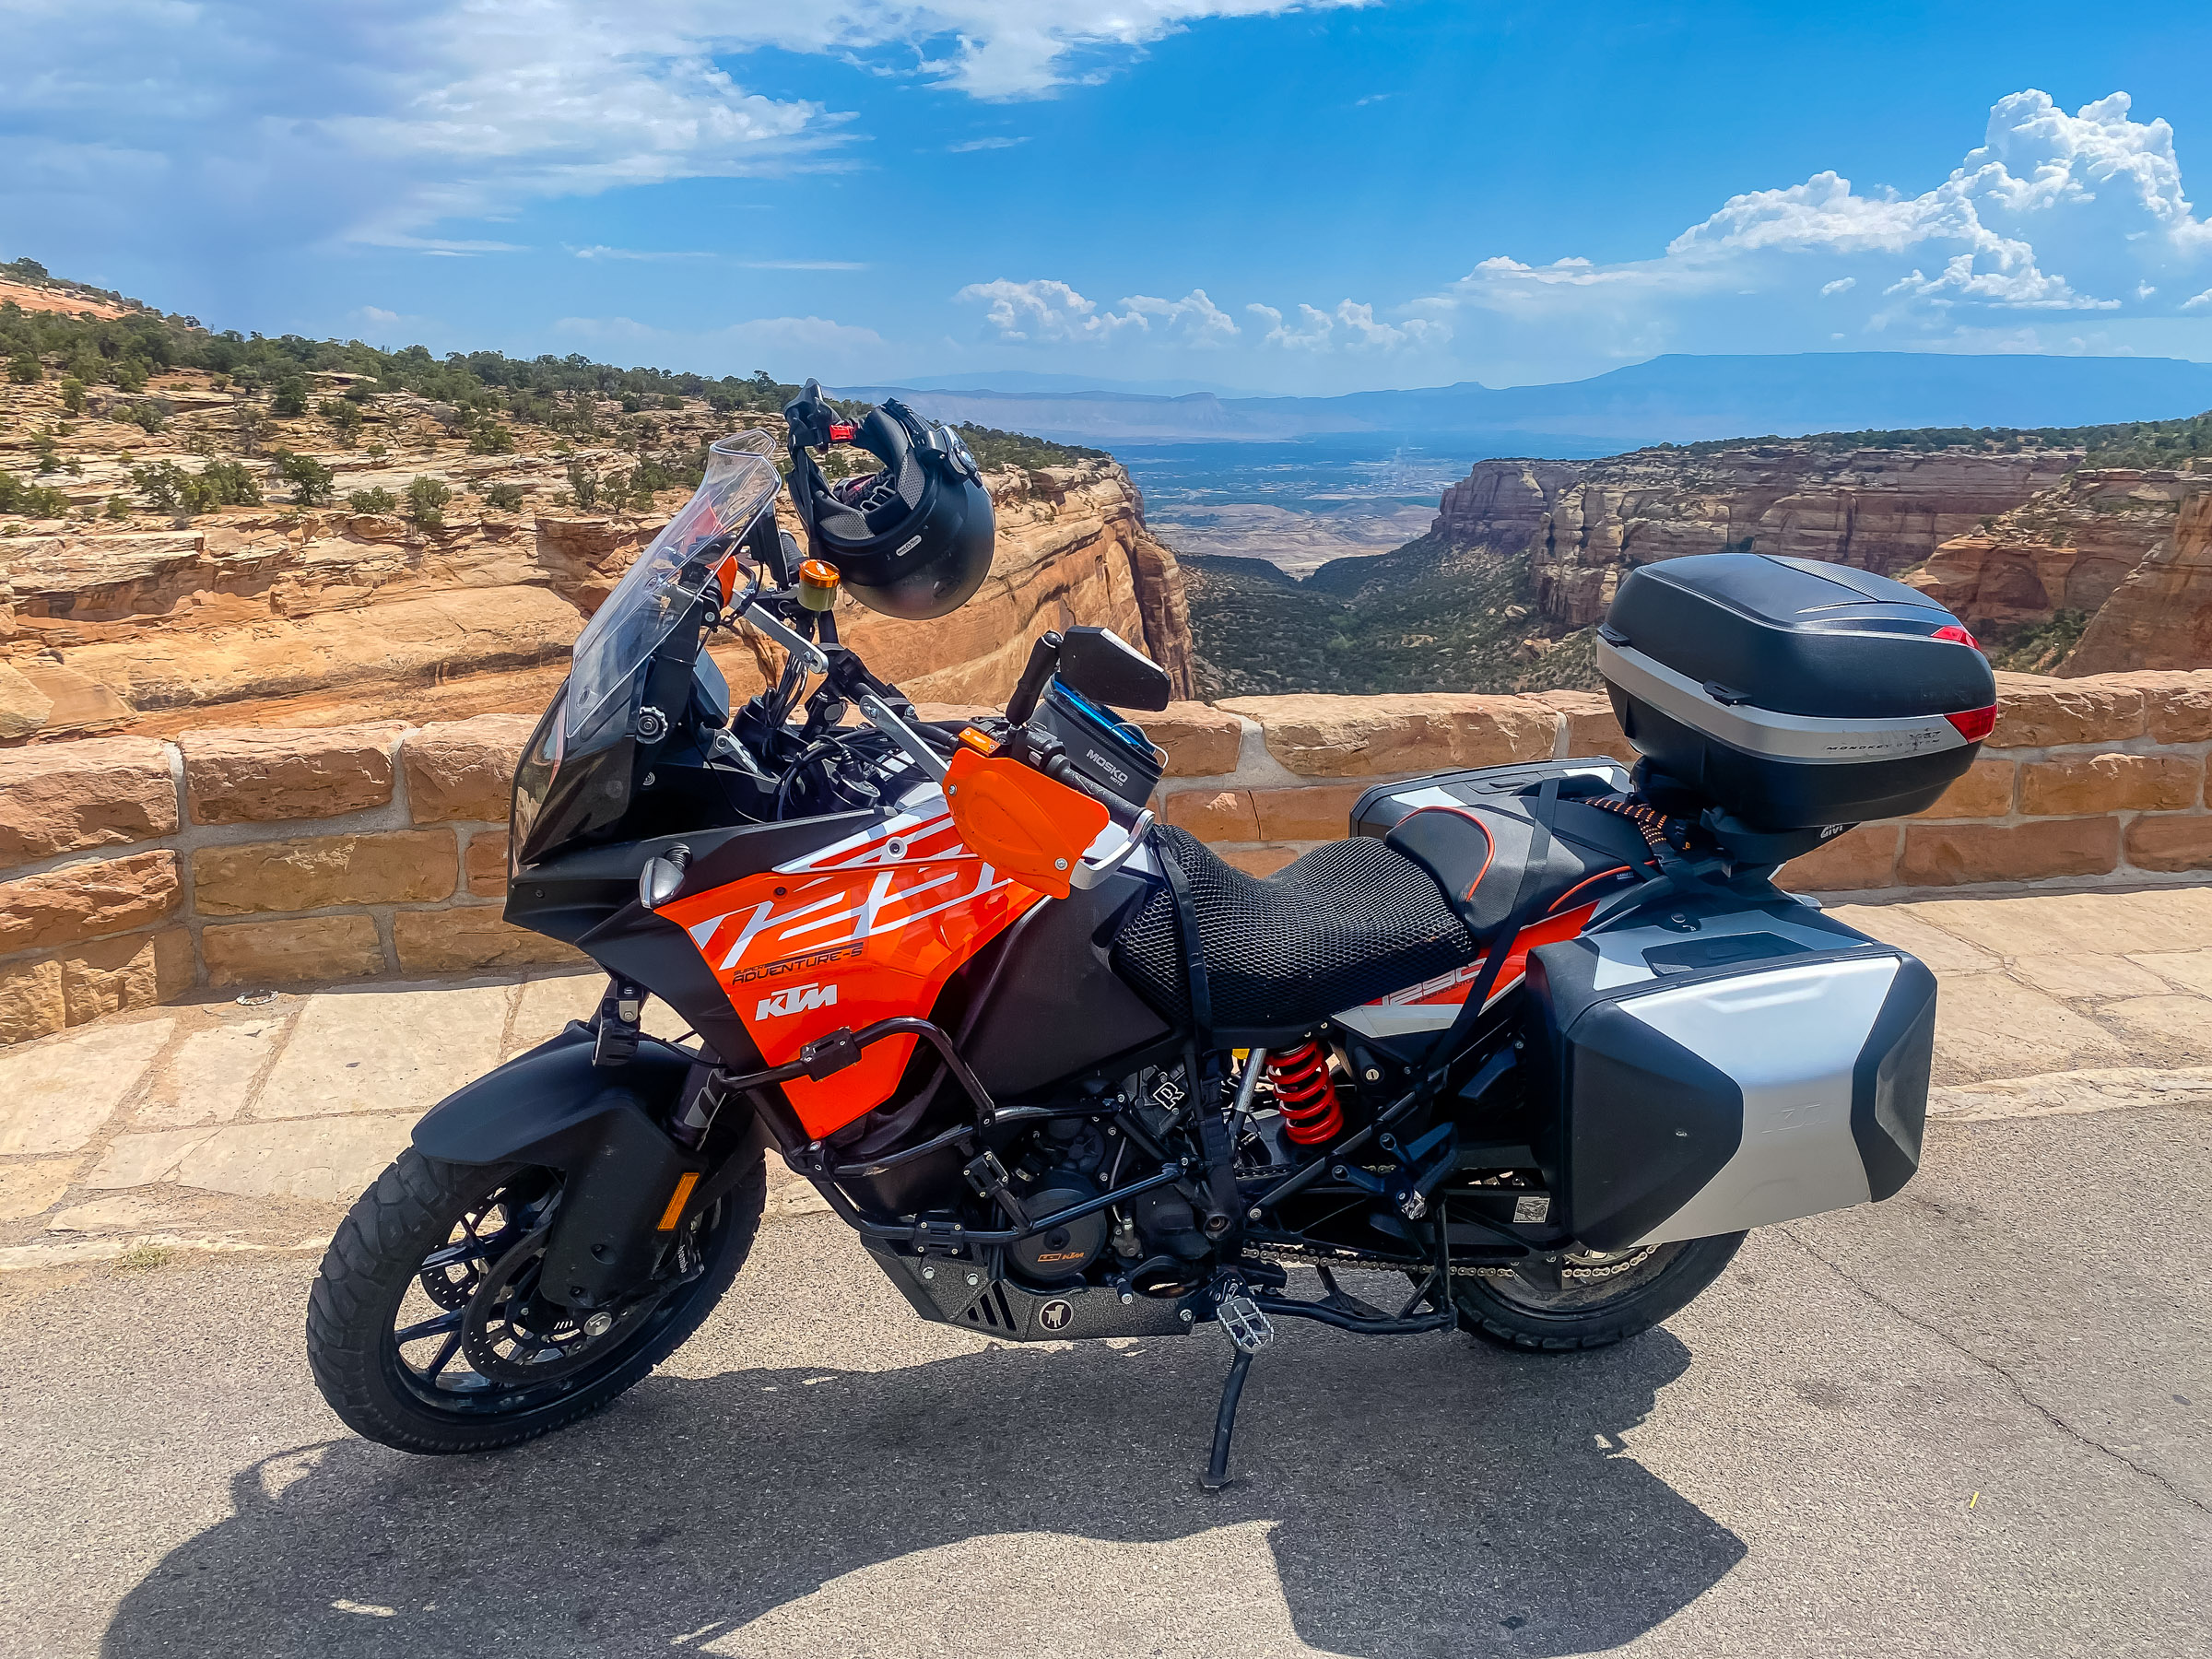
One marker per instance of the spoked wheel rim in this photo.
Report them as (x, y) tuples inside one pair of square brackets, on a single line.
[(1577, 1280), (469, 1336)]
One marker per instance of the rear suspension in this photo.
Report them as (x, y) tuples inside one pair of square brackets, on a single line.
[(1306, 1094)]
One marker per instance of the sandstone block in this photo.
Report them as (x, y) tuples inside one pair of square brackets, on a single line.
[(311, 951), (1322, 812), (211, 1076), (32, 1189), (341, 1058), (487, 863), (30, 1001), (1984, 792), (2035, 712), (2170, 842), (1859, 860), (2081, 784), (1201, 741), (1260, 861), (1360, 736), (137, 971), (453, 941), (1591, 729), (1224, 815), (55, 1097), (58, 798), (82, 902), (320, 871), (1952, 855), (2177, 706), (331, 1161), (260, 776), (464, 768)]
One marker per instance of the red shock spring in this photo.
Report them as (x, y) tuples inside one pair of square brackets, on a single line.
[(1306, 1094)]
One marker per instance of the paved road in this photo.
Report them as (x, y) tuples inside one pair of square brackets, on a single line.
[(1785, 1470)]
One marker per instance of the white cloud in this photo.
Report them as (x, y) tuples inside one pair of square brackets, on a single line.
[(1351, 326), (2194, 300), (1048, 312), (378, 315), (2052, 213), (970, 146), (250, 123), (601, 251)]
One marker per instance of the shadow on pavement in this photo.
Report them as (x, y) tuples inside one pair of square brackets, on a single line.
[(1424, 1496)]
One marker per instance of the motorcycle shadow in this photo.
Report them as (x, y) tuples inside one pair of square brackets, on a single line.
[(1426, 1496)]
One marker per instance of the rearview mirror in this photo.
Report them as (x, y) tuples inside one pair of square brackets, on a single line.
[(1104, 666)]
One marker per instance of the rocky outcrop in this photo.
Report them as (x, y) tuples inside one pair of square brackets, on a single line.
[(2162, 615), (291, 616), (2080, 547), (1584, 524)]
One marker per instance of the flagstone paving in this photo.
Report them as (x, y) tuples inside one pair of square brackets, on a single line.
[(251, 1123)]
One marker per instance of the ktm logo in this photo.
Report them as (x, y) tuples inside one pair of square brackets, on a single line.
[(796, 999)]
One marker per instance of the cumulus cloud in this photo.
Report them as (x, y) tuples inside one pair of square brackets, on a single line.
[(1352, 326), (1048, 312), (2052, 213)]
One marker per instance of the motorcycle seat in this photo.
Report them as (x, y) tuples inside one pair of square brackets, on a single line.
[(1357, 919), (1479, 856)]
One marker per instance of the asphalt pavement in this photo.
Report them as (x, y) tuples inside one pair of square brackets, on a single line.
[(1975, 1420)]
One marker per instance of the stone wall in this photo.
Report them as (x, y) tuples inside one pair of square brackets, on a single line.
[(136, 872)]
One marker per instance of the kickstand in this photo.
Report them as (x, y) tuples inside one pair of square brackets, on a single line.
[(1225, 1423)]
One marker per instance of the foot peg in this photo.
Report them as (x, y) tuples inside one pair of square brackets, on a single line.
[(1248, 1327)]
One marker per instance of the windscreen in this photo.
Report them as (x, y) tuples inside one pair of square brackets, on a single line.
[(740, 485)]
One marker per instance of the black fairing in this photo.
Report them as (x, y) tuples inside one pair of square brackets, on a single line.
[(1642, 1124), (1889, 1084), (1054, 1007), (545, 1106), (1800, 638)]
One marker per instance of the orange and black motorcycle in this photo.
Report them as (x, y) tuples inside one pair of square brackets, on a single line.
[(1535, 1043)]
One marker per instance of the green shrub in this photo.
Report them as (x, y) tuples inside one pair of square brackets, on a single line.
[(504, 497), (584, 484), (32, 500), (489, 437), (117, 508), (289, 398), (312, 482), (145, 413), (345, 418), (129, 374), (168, 487), (427, 498), (73, 395), (372, 500), (25, 370)]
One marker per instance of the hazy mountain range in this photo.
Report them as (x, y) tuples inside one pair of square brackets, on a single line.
[(1675, 399)]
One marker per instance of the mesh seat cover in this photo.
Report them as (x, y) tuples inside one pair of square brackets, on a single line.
[(1339, 926)]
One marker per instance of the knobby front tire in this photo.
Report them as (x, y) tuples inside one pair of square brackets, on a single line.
[(423, 1211)]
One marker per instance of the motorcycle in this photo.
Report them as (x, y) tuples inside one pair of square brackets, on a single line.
[(1540, 1042)]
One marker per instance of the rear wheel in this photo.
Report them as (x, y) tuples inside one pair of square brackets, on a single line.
[(1587, 1298), (424, 1330)]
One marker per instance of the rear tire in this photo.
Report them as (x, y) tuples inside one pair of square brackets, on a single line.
[(416, 1404), (1587, 1300)]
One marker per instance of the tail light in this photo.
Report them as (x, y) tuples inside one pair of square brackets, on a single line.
[(1974, 723), (1958, 636)]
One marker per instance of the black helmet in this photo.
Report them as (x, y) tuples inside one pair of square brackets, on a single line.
[(912, 540)]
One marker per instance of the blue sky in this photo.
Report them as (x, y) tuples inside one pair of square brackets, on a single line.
[(1298, 198)]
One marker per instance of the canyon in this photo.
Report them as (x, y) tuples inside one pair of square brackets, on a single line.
[(117, 620)]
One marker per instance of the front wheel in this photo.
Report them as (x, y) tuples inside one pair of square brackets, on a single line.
[(1587, 1298), (424, 1331)]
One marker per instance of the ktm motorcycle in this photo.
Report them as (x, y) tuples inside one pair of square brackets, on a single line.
[(1535, 1043)]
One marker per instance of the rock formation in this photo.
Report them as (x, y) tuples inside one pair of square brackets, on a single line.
[(2162, 615), (2076, 549), (147, 624), (1585, 523)]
